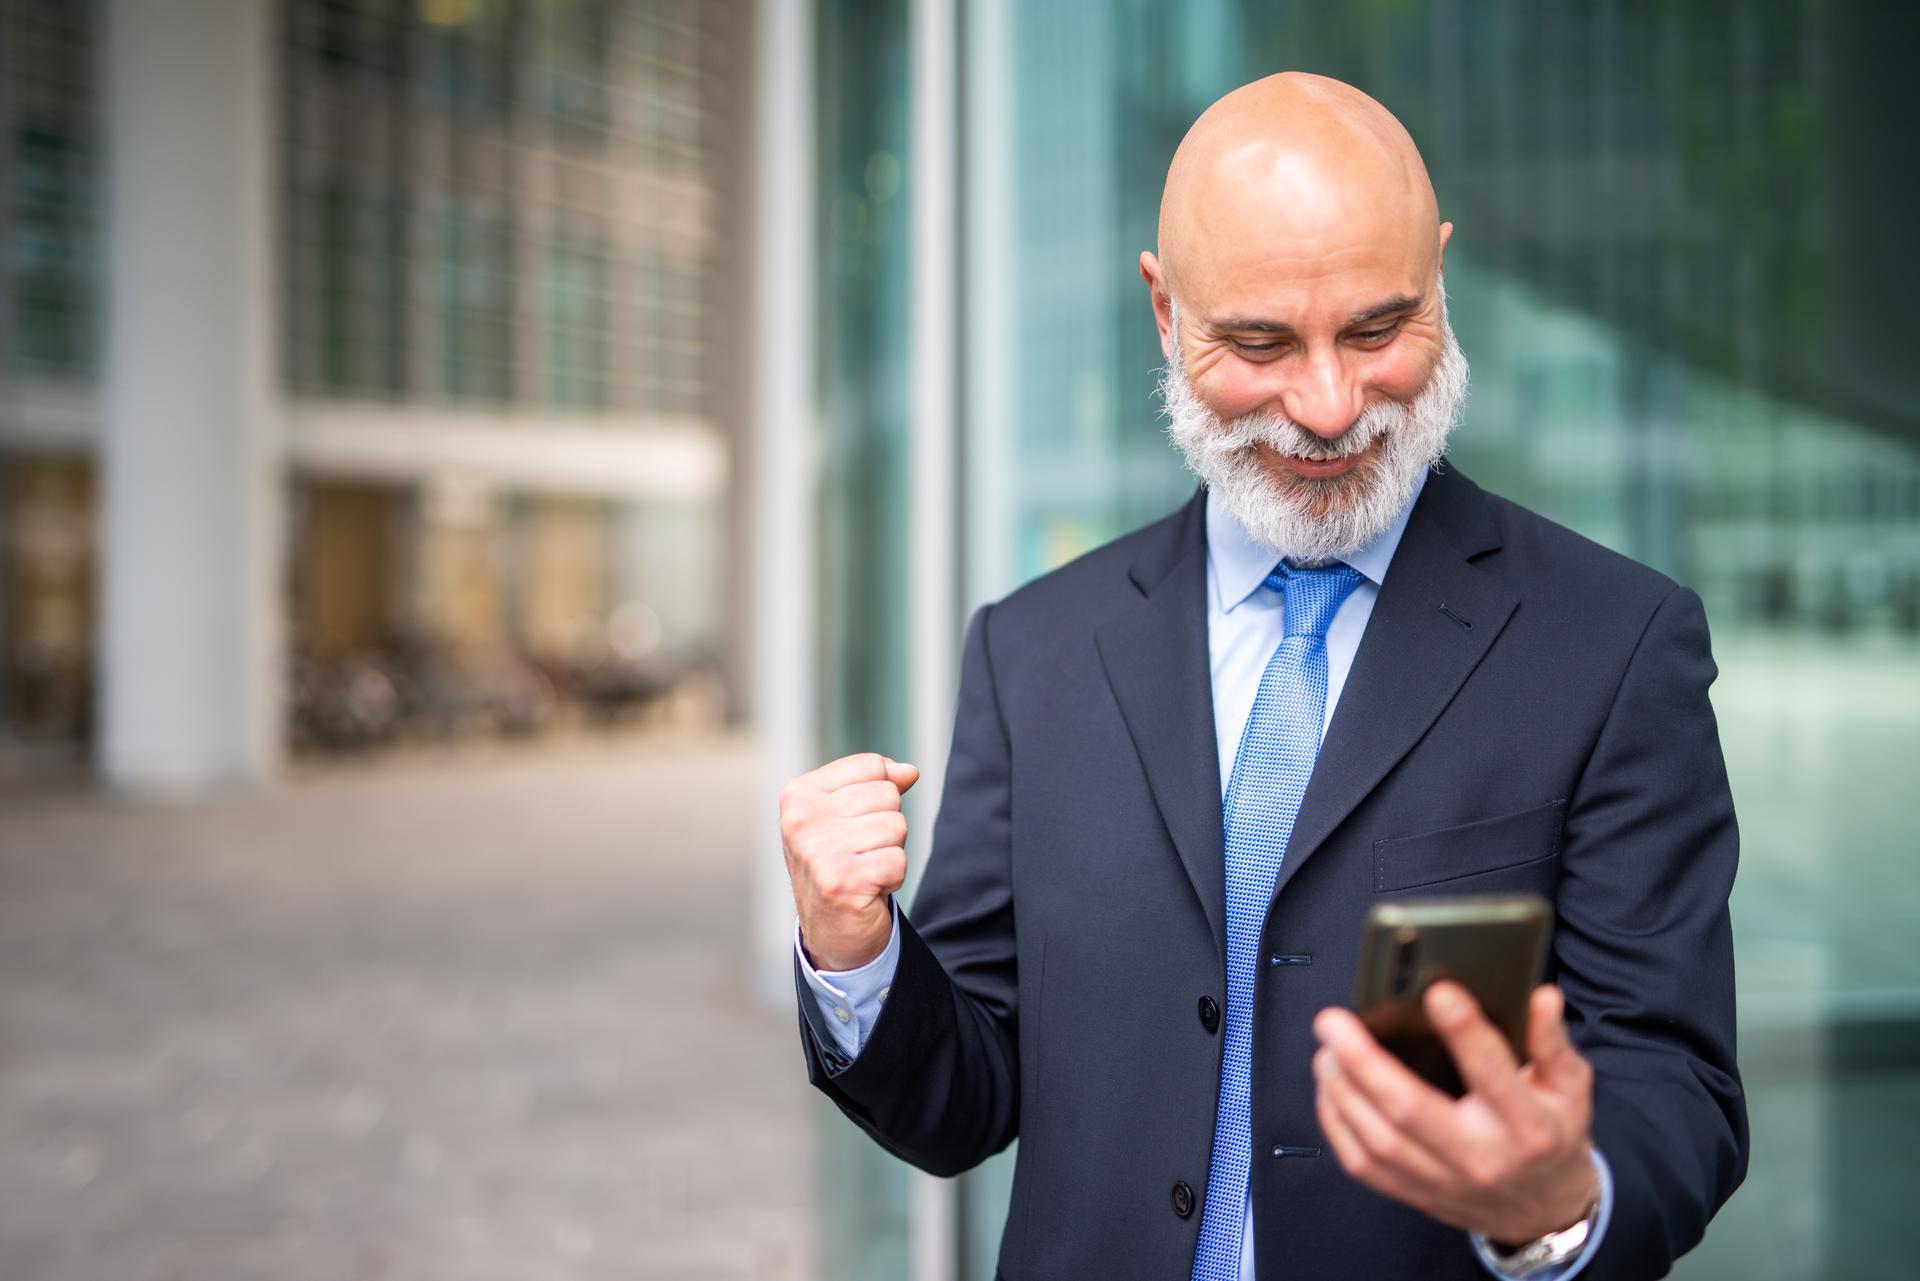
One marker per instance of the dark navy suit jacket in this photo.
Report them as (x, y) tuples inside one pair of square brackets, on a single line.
[(1526, 711)]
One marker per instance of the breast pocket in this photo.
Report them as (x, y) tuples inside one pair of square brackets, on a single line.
[(1510, 852)]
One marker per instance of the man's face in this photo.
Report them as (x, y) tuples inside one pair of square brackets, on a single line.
[(1312, 374), (1317, 472)]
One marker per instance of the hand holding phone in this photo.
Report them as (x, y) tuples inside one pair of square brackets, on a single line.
[(1514, 1161), (1495, 946)]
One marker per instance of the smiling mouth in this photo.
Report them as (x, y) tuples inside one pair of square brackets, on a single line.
[(1320, 463)]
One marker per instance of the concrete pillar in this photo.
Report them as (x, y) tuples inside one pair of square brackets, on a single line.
[(190, 629)]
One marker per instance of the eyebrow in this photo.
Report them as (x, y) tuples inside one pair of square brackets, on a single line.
[(1391, 307)]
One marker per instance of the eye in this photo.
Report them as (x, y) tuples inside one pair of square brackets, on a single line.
[(1254, 348), (1378, 335)]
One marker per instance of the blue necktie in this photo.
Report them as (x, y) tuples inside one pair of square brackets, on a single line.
[(1270, 772)]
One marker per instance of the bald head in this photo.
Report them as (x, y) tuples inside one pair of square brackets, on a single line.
[(1312, 375), (1300, 169)]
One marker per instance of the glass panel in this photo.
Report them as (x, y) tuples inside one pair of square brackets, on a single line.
[(476, 302), (862, 517), (49, 510), (1673, 224), (577, 307), (49, 205)]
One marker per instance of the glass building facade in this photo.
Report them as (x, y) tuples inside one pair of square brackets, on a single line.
[(491, 218), (495, 202), (1676, 271), (48, 211)]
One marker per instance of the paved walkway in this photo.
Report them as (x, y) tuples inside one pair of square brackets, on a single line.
[(483, 1018)]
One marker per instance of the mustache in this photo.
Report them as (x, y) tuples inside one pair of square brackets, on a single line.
[(1283, 435)]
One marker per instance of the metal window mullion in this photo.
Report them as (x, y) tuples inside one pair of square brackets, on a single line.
[(529, 161), (932, 469), (784, 431)]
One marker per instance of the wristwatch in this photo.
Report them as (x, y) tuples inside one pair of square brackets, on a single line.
[(1545, 1252)]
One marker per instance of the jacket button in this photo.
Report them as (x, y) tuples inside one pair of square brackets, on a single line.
[(1209, 1014), (1182, 1199)]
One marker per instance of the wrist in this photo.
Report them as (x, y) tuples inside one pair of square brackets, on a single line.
[(1547, 1253), (1569, 1228), (1574, 1207), (836, 962), (833, 955)]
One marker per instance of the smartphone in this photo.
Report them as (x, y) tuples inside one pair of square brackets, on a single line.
[(1494, 945)]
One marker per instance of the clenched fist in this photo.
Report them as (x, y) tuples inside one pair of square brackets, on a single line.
[(846, 845)]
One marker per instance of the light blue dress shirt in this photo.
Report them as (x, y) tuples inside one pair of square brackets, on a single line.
[(1244, 626)]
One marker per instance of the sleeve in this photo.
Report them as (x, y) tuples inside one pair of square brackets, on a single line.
[(846, 1002), (1602, 1216), (937, 1080), (1644, 949)]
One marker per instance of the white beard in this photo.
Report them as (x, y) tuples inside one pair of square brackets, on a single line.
[(1311, 521)]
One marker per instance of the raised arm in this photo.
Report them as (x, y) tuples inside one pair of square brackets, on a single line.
[(937, 1081)]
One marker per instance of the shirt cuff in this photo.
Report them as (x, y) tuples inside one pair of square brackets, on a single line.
[(1602, 1215), (849, 1001)]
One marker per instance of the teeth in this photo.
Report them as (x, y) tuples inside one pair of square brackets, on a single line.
[(1320, 456)]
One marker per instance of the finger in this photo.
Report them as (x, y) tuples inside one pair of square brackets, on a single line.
[(902, 775), (884, 869), (1385, 1142), (865, 832), (861, 767), (872, 797), (1413, 1106), (1481, 1053), (1556, 1063), (1354, 1157)]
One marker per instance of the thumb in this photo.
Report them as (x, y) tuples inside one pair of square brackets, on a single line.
[(902, 775)]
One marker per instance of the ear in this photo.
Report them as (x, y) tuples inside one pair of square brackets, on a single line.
[(1155, 275), (1446, 234)]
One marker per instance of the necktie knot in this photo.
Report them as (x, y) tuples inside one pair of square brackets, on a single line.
[(1312, 595)]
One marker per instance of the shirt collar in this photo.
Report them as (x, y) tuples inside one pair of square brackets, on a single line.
[(1239, 565)]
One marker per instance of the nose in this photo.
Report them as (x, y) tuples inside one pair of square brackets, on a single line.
[(1320, 396)]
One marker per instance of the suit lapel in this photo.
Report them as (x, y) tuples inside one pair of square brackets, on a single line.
[(1417, 651), (1158, 663), (1414, 657)]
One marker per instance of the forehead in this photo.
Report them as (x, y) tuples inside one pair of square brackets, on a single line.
[(1303, 251), (1301, 283)]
